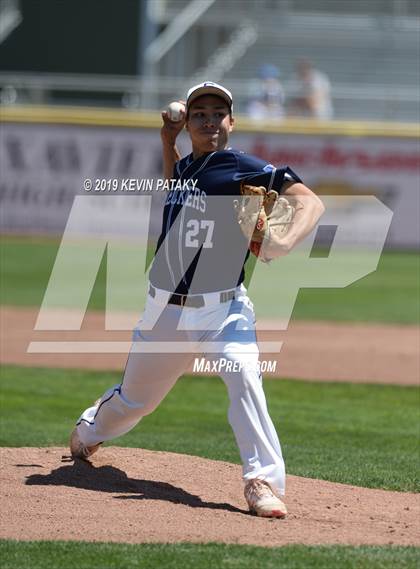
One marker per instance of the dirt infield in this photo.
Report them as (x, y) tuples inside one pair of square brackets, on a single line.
[(139, 496), (327, 351)]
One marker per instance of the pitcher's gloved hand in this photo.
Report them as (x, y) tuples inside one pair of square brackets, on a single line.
[(263, 216)]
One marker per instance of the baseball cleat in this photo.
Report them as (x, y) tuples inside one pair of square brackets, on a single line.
[(78, 449), (262, 501)]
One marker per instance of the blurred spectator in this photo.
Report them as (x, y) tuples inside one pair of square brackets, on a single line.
[(313, 92), (268, 102)]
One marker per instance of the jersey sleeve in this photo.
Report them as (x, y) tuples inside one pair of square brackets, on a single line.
[(180, 166), (260, 173), (175, 171)]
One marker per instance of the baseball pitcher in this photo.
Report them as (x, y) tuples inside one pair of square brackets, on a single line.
[(229, 205)]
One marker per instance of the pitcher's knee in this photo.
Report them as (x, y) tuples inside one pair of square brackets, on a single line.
[(115, 402), (241, 382), (142, 408)]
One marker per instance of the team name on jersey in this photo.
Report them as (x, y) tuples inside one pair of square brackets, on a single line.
[(194, 198)]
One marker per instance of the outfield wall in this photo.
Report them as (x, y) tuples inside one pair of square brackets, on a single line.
[(46, 154)]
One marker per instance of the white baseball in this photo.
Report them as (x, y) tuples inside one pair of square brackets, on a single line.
[(174, 111)]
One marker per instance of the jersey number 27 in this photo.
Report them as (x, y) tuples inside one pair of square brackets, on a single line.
[(194, 226)]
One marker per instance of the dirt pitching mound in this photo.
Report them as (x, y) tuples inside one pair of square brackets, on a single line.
[(138, 496)]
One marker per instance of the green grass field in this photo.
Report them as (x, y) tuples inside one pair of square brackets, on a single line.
[(357, 434), (365, 435), (391, 294), (69, 555)]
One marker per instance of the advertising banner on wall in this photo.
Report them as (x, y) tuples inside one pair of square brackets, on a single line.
[(44, 167)]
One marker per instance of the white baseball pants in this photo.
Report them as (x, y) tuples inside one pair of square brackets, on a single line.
[(216, 330)]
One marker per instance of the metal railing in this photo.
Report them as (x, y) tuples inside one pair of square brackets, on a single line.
[(128, 91)]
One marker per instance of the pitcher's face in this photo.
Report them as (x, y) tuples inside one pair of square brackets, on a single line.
[(209, 124)]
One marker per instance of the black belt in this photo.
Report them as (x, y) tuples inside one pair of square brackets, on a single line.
[(193, 301)]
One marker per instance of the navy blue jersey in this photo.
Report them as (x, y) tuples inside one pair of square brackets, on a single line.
[(201, 247)]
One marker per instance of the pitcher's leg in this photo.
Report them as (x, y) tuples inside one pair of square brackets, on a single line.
[(253, 428), (147, 379), (254, 431)]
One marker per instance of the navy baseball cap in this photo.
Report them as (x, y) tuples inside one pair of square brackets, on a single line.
[(209, 88)]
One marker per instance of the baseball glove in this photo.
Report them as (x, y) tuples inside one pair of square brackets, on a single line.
[(263, 216)]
